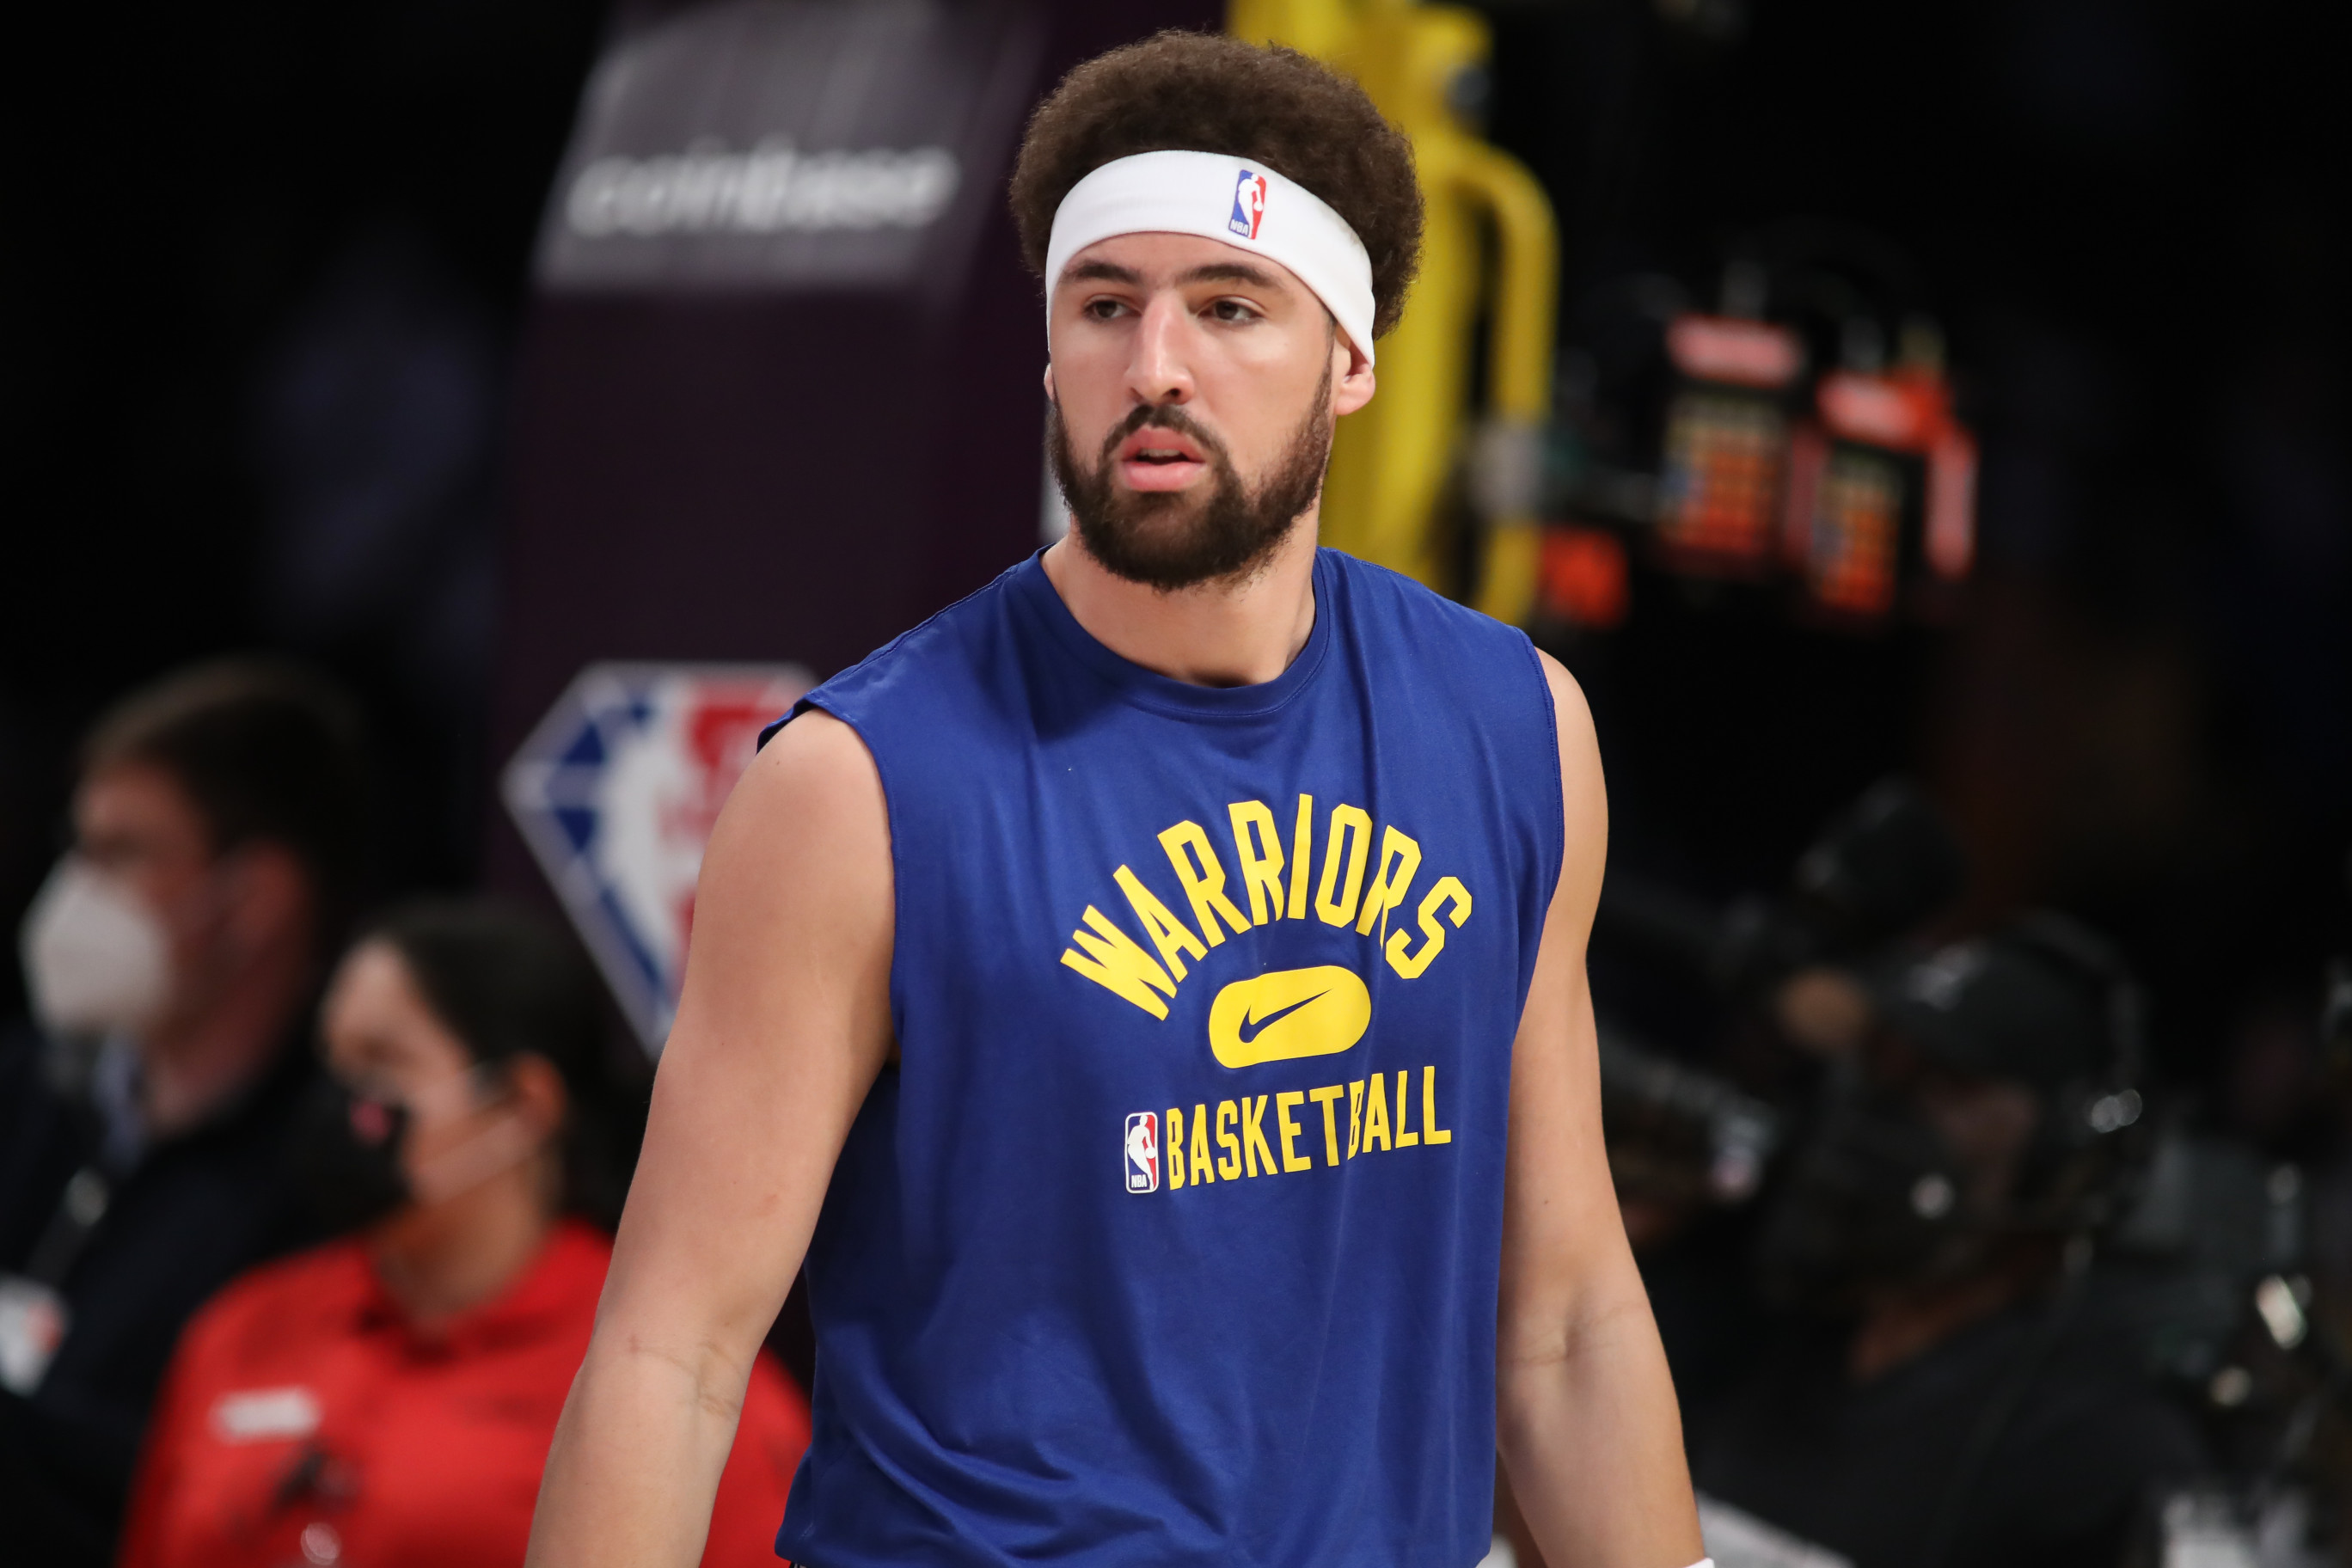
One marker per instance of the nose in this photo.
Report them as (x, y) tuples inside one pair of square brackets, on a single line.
[(1160, 370)]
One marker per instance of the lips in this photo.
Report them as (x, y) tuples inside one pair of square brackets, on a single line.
[(1158, 458), (1154, 445)]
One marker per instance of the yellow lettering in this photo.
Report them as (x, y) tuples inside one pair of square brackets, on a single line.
[(1261, 862), (1256, 1152), (1203, 1169), (1412, 968), (1328, 1099), (1171, 1148), (1203, 886), (1355, 1117), (1172, 936), (1376, 1113), (1404, 1139), (1352, 827), (1302, 856), (1430, 1133), (1400, 863), (1283, 1104), (1229, 1164), (1118, 965)]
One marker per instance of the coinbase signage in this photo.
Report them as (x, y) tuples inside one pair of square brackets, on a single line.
[(790, 144), (616, 791)]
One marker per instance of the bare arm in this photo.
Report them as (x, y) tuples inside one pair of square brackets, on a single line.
[(1585, 1408), (782, 1026)]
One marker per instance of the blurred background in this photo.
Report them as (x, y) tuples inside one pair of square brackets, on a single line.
[(272, 303), (1950, 394)]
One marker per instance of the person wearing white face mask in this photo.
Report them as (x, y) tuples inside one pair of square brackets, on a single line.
[(172, 961), (387, 1398)]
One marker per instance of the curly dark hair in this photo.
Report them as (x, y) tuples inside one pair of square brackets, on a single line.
[(1203, 92)]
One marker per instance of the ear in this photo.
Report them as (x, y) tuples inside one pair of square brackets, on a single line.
[(1049, 381), (1351, 376), (270, 895), (540, 1097)]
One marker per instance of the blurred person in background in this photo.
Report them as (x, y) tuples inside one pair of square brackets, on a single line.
[(1951, 1396), (389, 1396), (173, 960)]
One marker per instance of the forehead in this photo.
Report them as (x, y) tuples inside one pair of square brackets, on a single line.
[(374, 1003), (137, 797), (1158, 261)]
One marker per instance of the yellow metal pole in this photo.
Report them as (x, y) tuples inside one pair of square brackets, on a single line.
[(1510, 455), (1391, 464)]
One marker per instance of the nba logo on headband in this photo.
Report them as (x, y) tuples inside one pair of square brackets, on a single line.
[(1217, 196), (1249, 204)]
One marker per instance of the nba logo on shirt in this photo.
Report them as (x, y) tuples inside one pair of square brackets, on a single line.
[(1249, 204), (1143, 1152)]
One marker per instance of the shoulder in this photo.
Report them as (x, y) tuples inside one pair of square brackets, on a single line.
[(20, 1058), (1377, 591), (1479, 665), (2097, 1391), (1437, 625), (816, 779), (580, 1252), (923, 668), (335, 1271), (274, 1300), (39, 1145), (799, 863), (2089, 1443), (563, 1284), (31, 1109), (1579, 751)]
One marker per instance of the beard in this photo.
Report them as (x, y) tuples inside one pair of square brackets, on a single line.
[(1167, 541)]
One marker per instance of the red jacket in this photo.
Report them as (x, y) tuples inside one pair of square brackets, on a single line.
[(305, 1422)]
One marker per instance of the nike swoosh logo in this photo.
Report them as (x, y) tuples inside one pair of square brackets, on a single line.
[(1287, 1014), (1253, 1028)]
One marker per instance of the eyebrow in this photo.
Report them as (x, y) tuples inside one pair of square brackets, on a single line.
[(1232, 272), (1102, 272), (1212, 272)]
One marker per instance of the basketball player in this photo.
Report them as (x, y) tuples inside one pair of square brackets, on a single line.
[(1151, 993)]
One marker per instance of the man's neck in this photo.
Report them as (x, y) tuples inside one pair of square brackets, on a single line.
[(1231, 632), (189, 1068)]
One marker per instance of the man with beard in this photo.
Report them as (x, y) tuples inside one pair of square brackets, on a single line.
[(1956, 1393), (1151, 993)]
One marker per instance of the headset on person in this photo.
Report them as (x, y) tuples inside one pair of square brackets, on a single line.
[(2080, 1150)]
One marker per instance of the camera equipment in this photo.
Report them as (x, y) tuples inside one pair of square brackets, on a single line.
[(1878, 1196), (1876, 1193), (1677, 1135), (1878, 869), (2073, 1164)]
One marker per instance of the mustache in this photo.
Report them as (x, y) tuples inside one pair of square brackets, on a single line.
[(1165, 416), (1171, 542)]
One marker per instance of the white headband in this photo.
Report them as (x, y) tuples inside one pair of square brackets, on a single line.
[(1245, 204)]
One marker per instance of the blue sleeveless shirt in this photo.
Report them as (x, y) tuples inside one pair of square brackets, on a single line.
[(1173, 1236)]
